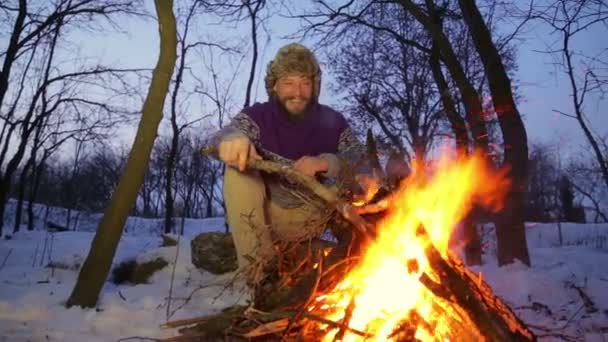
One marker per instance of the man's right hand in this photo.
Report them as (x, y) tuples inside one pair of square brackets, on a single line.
[(236, 150)]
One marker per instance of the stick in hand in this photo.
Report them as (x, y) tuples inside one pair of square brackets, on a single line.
[(345, 209)]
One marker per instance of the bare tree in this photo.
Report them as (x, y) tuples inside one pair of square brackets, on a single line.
[(186, 44), (238, 10), (390, 84), (510, 228), (586, 179), (569, 19), (103, 248), (32, 44), (439, 20)]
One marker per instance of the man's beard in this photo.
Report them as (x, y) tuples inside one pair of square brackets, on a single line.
[(295, 114)]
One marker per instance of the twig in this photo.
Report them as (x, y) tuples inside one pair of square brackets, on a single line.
[(563, 337), (172, 278), (46, 239), (536, 306), (348, 314), (139, 338), (343, 261), (187, 321), (572, 317), (552, 332), (35, 254), (335, 324), (6, 258), (313, 291), (589, 305), (50, 261)]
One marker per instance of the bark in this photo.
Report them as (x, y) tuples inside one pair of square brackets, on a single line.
[(103, 248), (510, 229)]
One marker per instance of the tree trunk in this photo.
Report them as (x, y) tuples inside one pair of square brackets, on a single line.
[(28, 126), (12, 49), (171, 158), (20, 197), (38, 172), (68, 218), (578, 103), (103, 248), (472, 243), (510, 227), (254, 39)]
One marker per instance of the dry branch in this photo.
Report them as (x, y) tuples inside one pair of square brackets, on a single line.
[(345, 209)]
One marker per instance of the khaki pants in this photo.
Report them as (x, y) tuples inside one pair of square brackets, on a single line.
[(257, 223)]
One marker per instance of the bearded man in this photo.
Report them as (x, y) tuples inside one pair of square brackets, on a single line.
[(292, 127)]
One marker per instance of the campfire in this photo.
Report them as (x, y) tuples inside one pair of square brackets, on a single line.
[(383, 296), (402, 283)]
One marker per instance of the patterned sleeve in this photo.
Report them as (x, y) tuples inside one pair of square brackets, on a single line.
[(241, 124)]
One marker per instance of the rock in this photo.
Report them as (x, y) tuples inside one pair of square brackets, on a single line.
[(168, 241), (214, 252), (130, 271)]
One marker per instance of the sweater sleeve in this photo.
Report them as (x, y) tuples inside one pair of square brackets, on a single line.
[(350, 151), (240, 125)]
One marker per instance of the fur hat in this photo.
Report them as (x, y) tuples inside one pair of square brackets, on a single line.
[(293, 58)]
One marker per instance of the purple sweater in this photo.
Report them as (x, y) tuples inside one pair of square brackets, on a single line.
[(321, 130), (317, 132)]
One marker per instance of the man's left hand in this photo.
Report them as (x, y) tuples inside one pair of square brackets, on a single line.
[(311, 165)]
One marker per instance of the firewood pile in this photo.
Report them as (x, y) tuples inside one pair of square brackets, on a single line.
[(390, 275)]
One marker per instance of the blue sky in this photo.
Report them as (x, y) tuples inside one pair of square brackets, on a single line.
[(544, 88)]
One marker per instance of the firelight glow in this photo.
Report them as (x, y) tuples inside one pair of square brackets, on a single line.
[(385, 287)]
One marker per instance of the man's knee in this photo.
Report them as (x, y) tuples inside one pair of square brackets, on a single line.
[(243, 186)]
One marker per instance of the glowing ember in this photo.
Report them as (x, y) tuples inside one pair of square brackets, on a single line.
[(384, 287)]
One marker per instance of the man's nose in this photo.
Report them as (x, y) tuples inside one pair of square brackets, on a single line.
[(298, 90)]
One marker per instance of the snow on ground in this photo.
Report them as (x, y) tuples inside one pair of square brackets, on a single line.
[(546, 296), (32, 293)]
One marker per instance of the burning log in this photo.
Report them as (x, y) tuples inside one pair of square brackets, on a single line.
[(493, 318)]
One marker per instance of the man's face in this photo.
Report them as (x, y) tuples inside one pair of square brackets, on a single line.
[(294, 92)]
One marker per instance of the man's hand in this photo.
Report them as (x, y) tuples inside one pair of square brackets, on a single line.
[(311, 165), (236, 150)]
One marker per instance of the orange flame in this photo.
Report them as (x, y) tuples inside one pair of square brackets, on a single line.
[(385, 285)]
